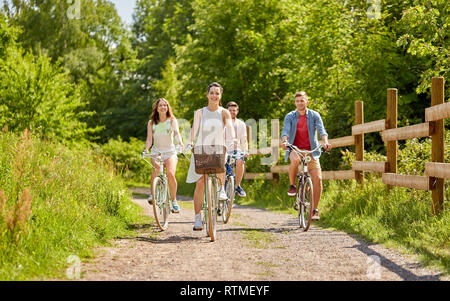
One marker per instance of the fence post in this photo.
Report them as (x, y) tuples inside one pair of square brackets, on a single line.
[(359, 141), (391, 146), (437, 144)]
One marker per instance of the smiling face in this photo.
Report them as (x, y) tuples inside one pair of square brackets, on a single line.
[(301, 102), (214, 95), (162, 107), (233, 111)]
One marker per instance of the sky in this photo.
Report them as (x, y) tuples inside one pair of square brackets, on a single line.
[(125, 9)]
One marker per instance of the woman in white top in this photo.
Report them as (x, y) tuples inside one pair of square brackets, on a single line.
[(161, 128), (211, 121)]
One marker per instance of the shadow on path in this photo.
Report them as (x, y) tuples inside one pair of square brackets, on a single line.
[(405, 274), (171, 239)]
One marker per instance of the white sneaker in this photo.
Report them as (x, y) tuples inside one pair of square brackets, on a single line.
[(175, 207), (198, 224), (222, 195), (150, 199)]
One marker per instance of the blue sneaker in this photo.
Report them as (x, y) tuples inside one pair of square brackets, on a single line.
[(175, 207), (241, 192)]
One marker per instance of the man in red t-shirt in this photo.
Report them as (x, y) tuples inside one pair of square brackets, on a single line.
[(300, 130)]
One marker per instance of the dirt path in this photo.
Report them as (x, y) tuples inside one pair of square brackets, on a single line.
[(255, 245)]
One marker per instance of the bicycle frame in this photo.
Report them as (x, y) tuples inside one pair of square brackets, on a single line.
[(161, 195), (206, 216), (304, 158), (301, 200), (231, 163), (162, 174)]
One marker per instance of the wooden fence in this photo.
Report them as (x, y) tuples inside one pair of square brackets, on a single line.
[(435, 171)]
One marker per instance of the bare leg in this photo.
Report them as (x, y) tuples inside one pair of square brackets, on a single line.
[(316, 175), (293, 167), (171, 166), (221, 178), (239, 172), (198, 194), (155, 172)]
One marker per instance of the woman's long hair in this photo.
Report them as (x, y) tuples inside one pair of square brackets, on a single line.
[(155, 116)]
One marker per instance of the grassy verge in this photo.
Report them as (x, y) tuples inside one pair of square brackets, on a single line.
[(400, 218), (56, 202)]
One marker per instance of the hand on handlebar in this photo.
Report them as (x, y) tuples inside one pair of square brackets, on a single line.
[(327, 147)]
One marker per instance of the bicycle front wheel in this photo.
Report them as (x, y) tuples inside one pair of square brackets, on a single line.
[(211, 195), (160, 203), (227, 205), (306, 204)]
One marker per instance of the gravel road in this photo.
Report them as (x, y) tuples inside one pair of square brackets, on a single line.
[(255, 245)]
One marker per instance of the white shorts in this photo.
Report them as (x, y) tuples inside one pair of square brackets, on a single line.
[(166, 154)]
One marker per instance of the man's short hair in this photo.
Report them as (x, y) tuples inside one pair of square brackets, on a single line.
[(301, 93), (232, 104)]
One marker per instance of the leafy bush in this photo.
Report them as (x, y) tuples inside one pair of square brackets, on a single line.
[(55, 202), (38, 95), (126, 158)]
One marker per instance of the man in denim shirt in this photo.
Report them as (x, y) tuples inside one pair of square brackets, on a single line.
[(299, 129)]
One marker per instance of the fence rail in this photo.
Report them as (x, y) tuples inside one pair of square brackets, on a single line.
[(436, 171)]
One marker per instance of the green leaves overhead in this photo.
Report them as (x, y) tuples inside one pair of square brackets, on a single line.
[(262, 52), (37, 95)]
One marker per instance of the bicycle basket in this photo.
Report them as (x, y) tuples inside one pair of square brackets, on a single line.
[(209, 159)]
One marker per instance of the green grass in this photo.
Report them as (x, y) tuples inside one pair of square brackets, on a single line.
[(76, 202), (400, 218), (259, 239)]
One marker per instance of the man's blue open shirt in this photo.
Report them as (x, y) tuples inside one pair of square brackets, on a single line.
[(314, 122)]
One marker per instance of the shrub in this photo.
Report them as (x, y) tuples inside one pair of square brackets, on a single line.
[(38, 95), (55, 202), (126, 158)]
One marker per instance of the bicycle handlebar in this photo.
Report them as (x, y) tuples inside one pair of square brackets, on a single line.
[(293, 147), (230, 153), (178, 150)]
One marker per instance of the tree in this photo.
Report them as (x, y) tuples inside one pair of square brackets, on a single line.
[(90, 41), (37, 95), (242, 45)]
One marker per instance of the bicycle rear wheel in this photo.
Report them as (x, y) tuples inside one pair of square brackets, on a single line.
[(306, 204), (227, 205), (161, 208), (211, 195)]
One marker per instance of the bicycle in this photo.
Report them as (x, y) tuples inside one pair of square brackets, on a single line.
[(210, 203), (230, 181), (304, 197), (160, 191)]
